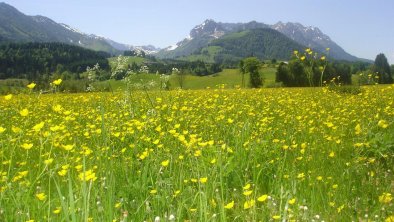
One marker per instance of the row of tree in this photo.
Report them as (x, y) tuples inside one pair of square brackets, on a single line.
[(310, 69), (295, 74)]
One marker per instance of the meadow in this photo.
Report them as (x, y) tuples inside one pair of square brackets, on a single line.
[(228, 78), (283, 154)]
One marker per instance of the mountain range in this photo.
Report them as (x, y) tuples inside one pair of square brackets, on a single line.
[(210, 41), (18, 27), (292, 35)]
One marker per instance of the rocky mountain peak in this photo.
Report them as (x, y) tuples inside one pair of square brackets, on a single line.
[(208, 27), (297, 31)]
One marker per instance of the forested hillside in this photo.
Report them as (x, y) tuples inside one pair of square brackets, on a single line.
[(40, 60), (263, 43)]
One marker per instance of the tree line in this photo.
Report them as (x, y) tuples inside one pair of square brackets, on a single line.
[(36, 61), (303, 71), (310, 69)]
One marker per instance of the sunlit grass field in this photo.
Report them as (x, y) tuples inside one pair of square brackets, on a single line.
[(230, 78), (301, 154)]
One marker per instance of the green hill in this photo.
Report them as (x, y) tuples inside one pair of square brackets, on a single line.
[(263, 43)]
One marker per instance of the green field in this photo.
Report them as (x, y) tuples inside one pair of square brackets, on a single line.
[(129, 60), (288, 154), (231, 78), (228, 78)]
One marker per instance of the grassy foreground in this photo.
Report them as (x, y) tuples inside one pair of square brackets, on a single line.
[(198, 155)]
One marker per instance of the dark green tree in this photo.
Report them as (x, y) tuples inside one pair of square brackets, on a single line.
[(273, 61), (382, 68), (298, 74), (251, 65), (392, 70), (283, 74)]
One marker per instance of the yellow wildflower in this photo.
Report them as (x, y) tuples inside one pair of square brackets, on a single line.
[(247, 192), (301, 176), (24, 112), (339, 209), (41, 196), (276, 217), (8, 97), (27, 146), (246, 187), (57, 82), (176, 193), (383, 124), (229, 205), (385, 198), (16, 129), (68, 147), (262, 198), (197, 153), (88, 175), (57, 210), (62, 172), (31, 85), (248, 204), (48, 161), (357, 129), (57, 108), (39, 126), (203, 179)]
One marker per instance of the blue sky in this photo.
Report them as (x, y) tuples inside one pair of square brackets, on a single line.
[(363, 28)]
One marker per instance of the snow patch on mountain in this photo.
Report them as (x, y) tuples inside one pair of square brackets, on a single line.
[(71, 29), (172, 47)]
